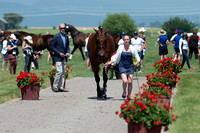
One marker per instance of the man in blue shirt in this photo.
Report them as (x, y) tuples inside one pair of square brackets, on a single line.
[(176, 46), (162, 41)]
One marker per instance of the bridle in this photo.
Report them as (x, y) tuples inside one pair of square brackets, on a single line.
[(97, 42)]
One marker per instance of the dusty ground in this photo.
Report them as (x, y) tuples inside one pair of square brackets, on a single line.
[(74, 111)]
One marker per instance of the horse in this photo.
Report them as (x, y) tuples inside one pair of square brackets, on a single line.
[(78, 38), (100, 47)]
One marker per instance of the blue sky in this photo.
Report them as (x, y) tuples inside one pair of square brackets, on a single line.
[(48, 13)]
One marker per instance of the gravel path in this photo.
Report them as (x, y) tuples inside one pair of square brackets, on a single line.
[(74, 111)]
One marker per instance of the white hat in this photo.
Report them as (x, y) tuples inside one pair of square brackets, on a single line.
[(162, 32), (142, 29), (13, 36), (29, 39)]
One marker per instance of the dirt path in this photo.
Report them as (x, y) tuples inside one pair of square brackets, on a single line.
[(75, 111)]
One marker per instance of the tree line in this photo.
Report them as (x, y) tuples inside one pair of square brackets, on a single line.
[(118, 23)]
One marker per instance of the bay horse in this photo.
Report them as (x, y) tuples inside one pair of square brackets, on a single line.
[(100, 47), (78, 38)]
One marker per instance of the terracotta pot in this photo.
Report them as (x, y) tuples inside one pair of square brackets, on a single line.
[(52, 80), (165, 100), (30, 92), (156, 129), (137, 128)]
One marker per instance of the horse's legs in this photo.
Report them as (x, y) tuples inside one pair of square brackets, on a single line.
[(97, 79), (80, 48), (105, 79)]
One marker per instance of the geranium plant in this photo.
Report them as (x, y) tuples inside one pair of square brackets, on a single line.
[(25, 78), (52, 71), (145, 110), (168, 64), (167, 78), (158, 90)]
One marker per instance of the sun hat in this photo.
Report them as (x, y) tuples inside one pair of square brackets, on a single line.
[(162, 32), (142, 29), (29, 39), (123, 33), (13, 36)]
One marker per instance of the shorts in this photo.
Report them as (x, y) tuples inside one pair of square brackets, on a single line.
[(177, 50), (5, 55), (163, 50), (86, 54), (142, 55)]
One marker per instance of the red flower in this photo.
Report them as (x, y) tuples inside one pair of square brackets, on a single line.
[(128, 120)]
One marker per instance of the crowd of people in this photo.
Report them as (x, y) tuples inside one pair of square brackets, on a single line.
[(181, 43), (9, 52)]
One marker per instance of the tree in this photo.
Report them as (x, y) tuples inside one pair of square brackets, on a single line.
[(13, 20), (177, 23), (118, 23)]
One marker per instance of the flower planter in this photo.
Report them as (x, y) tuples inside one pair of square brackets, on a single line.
[(137, 128), (141, 128), (52, 80), (30, 92), (156, 129), (165, 100)]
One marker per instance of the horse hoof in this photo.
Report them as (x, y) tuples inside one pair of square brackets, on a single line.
[(104, 97)]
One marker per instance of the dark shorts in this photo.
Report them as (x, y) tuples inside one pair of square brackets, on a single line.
[(163, 50), (5, 55), (177, 50)]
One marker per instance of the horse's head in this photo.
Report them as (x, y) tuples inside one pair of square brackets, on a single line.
[(67, 28), (101, 42)]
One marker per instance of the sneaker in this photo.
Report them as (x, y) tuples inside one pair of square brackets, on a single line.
[(191, 68)]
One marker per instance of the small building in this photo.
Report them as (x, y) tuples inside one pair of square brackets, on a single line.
[(3, 24)]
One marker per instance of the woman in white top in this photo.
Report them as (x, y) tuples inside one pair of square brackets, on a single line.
[(124, 56), (139, 44), (27, 49), (4, 52), (183, 47)]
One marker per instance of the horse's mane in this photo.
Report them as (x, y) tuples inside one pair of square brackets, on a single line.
[(74, 31)]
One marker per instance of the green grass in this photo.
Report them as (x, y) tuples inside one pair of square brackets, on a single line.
[(186, 103)]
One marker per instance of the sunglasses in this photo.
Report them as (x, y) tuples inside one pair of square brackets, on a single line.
[(62, 28)]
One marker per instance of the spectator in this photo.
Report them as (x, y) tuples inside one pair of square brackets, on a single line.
[(183, 47), (142, 35), (162, 41), (60, 47), (139, 44), (1, 45), (193, 44), (171, 40), (27, 50), (12, 54), (176, 45), (5, 53), (121, 41), (86, 51), (124, 56)]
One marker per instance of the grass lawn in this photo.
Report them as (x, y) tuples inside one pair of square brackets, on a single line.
[(186, 103)]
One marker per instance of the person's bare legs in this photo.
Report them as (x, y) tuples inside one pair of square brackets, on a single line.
[(3, 65), (88, 63), (124, 83), (130, 81), (161, 57), (165, 56)]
